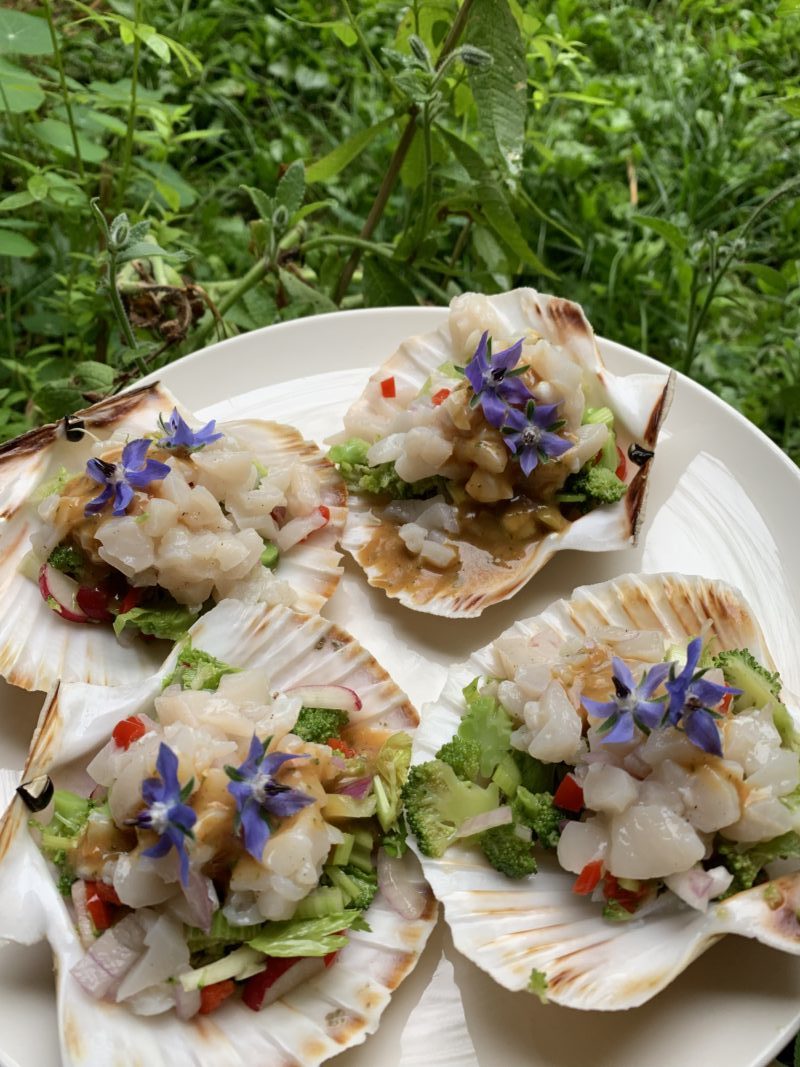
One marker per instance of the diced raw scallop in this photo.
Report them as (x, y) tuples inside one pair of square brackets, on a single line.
[(713, 801), (557, 366), (750, 738), (489, 488), (425, 451), (243, 687), (555, 725), (533, 679), (608, 788), (591, 439), (302, 495), (438, 555), (413, 537), (160, 515), (253, 508), (582, 842), (669, 744), (125, 545), (762, 819), (200, 511), (219, 469), (646, 645), (511, 697), (781, 774), (387, 450), (647, 841)]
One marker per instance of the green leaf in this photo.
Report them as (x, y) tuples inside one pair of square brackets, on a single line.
[(57, 135), (298, 291), (264, 205), (57, 398), (384, 285), (23, 35), (329, 166), (91, 376), (14, 244), (772, 279), (19, 90), (38, 186), (668, 230), (292, 187), (501, 91), (15, 200), (168, 178)]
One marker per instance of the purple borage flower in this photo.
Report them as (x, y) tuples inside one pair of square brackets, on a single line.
[(631, 705), (530, 434), (181, 435), (494, 380), (258, 795), (692, 699), (166, 814), (120, 479)]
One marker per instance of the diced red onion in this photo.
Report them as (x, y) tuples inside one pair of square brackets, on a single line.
[(486, 821), (82, 918), (166, 956), (299, 529), (110, 958), (199, 901), (297, 974), (358, 789), (187, 1004), (402, 883), (696, 887), (330, 697)]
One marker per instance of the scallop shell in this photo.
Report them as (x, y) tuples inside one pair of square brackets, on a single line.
[(37, 647), (330, 1012), (511, 927), (640, 403)]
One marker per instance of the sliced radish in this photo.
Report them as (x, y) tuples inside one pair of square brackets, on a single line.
[(280, 977), (60, 592), (299, 529), (93, 602), (330, 697)]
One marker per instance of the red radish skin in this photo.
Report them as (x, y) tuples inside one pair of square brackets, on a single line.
[(330, 697), (93, 602), (59, 592)]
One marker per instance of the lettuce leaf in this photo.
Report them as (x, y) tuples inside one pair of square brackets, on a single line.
[(169, 621), (308, 937)]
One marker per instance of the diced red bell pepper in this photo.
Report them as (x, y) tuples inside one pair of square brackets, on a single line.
[(99, 912), (341, 746), (127, 731), (440, 397), (569, 795), (255, 988), (622, 464), (328, 960), (388, 388), (131, 600), (325, 512), (725, 706), (629, 899), (211, 996), (589, 878), (107, 893)]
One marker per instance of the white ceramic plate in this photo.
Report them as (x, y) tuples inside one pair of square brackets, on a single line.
[(724, 502)]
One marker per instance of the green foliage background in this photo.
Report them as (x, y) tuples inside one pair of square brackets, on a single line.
[(641, 158)]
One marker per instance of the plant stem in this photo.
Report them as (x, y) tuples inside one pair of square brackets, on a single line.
[(64, 91), (127, 151), (364, 43), (256, 273), (346, 239), (116, 303), (396, 162)]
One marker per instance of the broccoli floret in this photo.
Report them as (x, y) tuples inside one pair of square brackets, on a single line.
[(508, 852), (746, 864), (383, 480), (591, 487), (358, 886), (68, 559), (537, 984), (463, 755), (196, 669), (319, 725), (759, 688), (538, 811), (437, 803), (489, 725)]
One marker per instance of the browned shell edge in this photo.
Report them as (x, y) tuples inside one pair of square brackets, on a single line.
[(636, 497), (101, 414)]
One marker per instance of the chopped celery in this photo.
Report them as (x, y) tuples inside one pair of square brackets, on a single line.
[(507, 776), (322, 901), (241, 963), (270, 555), (341, 852), (341, 806)]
